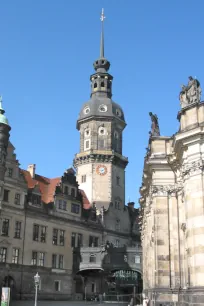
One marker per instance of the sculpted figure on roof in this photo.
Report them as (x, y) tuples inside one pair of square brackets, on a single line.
[(191, 93), (155, 125)]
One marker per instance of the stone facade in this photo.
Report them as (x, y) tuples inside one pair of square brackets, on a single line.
[(172, 216)]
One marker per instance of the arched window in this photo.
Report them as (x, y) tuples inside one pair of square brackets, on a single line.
[(102, 84), (95, 85)]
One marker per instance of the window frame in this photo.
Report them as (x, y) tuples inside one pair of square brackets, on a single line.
[(17, 231), (15, 256), (75, 208), (10, 172), (6, 195), (5, 227), (34, 259), (41, 259), (3, 254)]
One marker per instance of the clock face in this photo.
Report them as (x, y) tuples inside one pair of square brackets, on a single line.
[(101, 170)]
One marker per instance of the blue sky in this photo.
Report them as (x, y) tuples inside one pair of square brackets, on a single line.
[(46, 57)]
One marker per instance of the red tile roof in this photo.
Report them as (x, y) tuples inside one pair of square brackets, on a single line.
[(85, 200), (47, 186)]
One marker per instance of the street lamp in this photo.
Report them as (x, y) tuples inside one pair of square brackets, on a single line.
[(37, 281)]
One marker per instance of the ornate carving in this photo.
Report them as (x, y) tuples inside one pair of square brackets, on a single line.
[(155, 125), (191, 93), (192, 168)]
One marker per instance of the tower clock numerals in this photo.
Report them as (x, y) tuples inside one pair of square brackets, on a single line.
[(101, 170)]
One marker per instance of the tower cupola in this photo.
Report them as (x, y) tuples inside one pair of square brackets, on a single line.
[(101, 81)]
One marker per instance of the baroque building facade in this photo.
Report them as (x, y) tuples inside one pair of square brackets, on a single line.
[(74, 230), (171, 207)]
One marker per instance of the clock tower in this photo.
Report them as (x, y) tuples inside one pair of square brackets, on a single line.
[(100, 165)]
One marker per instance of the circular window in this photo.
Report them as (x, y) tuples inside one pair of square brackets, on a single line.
[(103, 108), (118, 112), (87, 132), (86, 110), (102, 131)]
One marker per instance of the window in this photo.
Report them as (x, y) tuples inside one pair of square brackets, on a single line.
[(73, 192), (103, 108), (80, 240), (83, 178), (43, 234), (54, 261), (15, 256), (137, 259), (61, 262), (117, 225), (5, 227), (54, 236), (117, 204), (39, 233), (102, 84), (34, 258), (101, 144), (57, 286), (6, 195), (73, 240), (3, 253), (95, 85), (64, 205), (35, 232), (17, 233), (87, 145), (36, 200), (66, 190), (87, 132), (10, 172), (93, 241), (75, 208), (17, 198), (92, 258), (41, 260), (118, 180), (61, 238)]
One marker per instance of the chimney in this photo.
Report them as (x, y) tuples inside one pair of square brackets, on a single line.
[(31, 169)]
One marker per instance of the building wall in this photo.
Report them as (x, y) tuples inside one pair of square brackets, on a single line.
[(172, 214)]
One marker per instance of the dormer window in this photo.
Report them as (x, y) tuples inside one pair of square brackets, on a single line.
[(36, 200), (66, 190)]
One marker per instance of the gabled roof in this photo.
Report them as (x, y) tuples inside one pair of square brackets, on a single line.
[(46, 186)]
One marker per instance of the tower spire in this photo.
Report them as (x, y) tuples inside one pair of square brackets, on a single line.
[(102, 34)]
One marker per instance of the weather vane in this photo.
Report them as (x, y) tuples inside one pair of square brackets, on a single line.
[(102, 15)]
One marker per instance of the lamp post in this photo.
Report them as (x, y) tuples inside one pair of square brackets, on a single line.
[(37, 281)]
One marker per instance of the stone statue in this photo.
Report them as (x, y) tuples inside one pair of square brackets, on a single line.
[(155, 125), (191, 93)]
